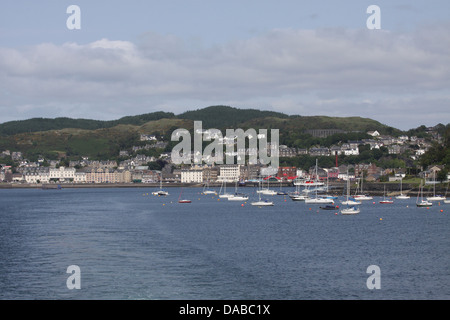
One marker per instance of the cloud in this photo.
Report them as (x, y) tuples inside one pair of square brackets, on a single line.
[(330, 70)]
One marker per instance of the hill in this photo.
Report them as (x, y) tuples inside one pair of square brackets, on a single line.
[(44, 124), (104, 139)]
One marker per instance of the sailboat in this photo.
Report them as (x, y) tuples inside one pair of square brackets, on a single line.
[(386, 201), (267, 191), (237, 196), (281, 192), (362, 196), (422, 203), (446, 200), (206, 189), (224, 194), (351, 209), (183, 200), (350, 201), (261, 203), (401, 195), (160, 192), (435, 197), (317, 199)]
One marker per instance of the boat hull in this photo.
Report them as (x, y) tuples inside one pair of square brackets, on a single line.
[(350, 211), (262, 203)]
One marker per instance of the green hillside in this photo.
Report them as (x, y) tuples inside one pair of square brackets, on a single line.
[(44, 124), (222, 117), (73, 138)]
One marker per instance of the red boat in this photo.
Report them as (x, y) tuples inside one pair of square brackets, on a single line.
[(386, 201), (183, 200)]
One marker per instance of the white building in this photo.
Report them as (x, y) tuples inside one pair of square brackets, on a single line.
[(37, 177), (80, 177), (229, 173), (351, 152), (62, 174), (192, 175)]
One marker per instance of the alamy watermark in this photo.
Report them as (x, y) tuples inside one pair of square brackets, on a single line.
[(74, 280), (374, 20), (259, 150), (374, 280)]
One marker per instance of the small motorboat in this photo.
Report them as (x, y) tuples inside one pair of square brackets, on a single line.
[(329, 207)]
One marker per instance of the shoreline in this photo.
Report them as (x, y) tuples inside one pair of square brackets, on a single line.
[(336, 188)]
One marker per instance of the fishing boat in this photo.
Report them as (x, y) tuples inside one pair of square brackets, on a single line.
[(385, 200), (422, 202)]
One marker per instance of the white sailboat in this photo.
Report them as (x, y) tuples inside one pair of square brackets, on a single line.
[(351, 209), (385, 200), (362, 196), (160, 192), (261, 203), (435, 197), (224, 194), (267, 191), (298, 197), (350, 201), (206, 189), (402, 196), (422, 203), (237, 196), (317, 199), (446, 200)]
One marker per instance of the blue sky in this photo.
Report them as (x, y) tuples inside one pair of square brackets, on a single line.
[(297, 57)]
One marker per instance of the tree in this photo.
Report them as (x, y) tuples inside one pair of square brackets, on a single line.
[(442, 175)]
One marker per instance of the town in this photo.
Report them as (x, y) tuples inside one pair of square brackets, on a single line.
[(140, 169)]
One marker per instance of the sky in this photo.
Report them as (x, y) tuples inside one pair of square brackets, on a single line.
[(296, 57)]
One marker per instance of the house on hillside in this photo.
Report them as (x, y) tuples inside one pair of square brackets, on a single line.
[(373, 133)]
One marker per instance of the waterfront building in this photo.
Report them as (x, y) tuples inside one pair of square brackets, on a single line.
[(229, 173), (192, 175), (62, 174)]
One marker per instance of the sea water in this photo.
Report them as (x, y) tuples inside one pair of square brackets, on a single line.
[(130, 244)]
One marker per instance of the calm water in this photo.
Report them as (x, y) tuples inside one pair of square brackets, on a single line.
[(130, 244)]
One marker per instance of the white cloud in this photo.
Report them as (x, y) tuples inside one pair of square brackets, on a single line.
[(325, 71)]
